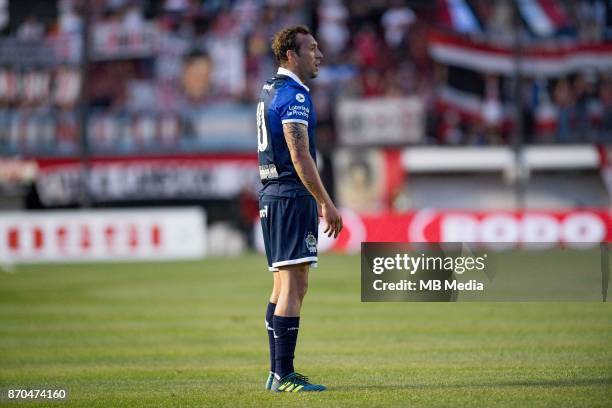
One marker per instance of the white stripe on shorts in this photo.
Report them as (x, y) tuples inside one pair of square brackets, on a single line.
[(275, 266)]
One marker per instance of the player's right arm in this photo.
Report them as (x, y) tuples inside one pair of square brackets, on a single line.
[(296, 136)]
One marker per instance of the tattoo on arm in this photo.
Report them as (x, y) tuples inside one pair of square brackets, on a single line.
[(296, 136), (309, 183)]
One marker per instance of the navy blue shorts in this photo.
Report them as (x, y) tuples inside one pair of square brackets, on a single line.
[(290, 230)]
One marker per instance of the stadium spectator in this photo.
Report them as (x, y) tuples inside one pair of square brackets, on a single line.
[(583, 91), (333, 31), (563, 99), (396, 21), (31, 30), (605, 96)]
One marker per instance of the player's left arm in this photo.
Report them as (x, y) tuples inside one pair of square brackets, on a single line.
[(296, 136)]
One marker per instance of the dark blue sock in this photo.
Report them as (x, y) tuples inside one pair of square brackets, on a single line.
[(270, 329), (285, 336)]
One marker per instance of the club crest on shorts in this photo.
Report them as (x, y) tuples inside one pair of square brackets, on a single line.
[(311, 243)]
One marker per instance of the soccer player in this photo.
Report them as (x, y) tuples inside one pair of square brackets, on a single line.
[(291, 197)]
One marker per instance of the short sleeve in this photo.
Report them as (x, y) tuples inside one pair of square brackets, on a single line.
[(294, 106)]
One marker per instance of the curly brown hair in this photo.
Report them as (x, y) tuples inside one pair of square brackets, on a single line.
[(285, 40)]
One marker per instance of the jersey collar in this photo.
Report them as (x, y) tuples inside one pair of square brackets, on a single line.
[(285, 71)]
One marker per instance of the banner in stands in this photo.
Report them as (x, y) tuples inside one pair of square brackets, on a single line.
[(155, 178), (102, 235), (544, 60), (508, 229), (392, 120)]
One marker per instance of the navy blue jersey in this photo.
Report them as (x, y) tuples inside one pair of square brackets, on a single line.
[(284, 99)]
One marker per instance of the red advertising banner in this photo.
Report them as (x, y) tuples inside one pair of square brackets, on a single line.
[(552, 227)]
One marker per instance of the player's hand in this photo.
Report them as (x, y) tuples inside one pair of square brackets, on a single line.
[(332, 218)]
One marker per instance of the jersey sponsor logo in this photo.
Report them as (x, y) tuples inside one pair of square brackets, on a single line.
[(300, 97), (298, 110), (311, 243), (297, 113), (267, 172)]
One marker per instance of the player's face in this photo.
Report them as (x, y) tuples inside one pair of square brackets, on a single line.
[(310, 56)]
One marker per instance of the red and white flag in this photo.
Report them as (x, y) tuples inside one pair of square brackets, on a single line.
[(544, 18), (459, 16)]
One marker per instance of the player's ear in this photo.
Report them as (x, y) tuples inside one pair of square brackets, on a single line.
[(289, 54), (295, 54)]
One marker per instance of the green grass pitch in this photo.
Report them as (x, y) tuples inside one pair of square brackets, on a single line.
[(192, 334)]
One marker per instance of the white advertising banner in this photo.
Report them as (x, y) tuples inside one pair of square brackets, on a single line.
[(153, 178), (379, 121), (102, 235)]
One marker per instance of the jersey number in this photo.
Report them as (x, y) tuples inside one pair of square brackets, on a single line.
[(262, 132)]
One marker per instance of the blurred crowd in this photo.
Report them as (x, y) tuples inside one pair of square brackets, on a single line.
[(155, 61)]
